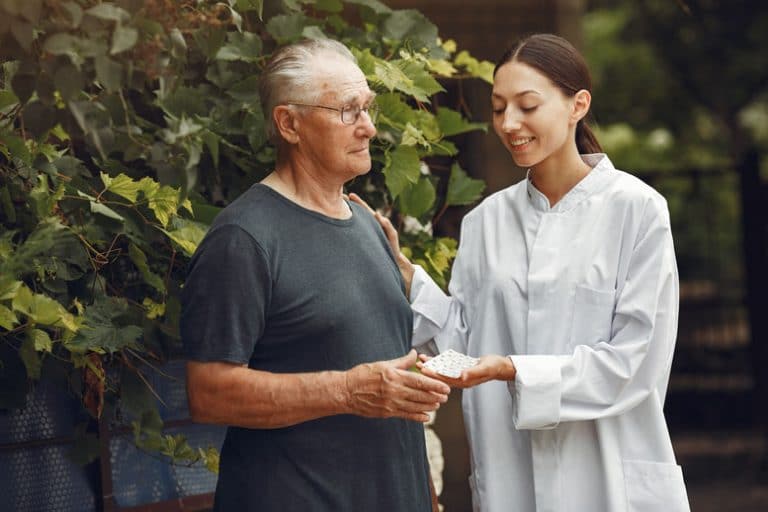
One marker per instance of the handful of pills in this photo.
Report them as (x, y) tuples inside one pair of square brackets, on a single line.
[(451, 363)]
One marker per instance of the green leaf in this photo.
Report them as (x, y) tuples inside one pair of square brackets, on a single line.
[(154, 309), (136, 398), (147, 431), (16, 148), (140, 260), (186, 101), (23, 85), (30, 9), (23, 33), (442, 67), (287, 27), (411, 27), (210, 457), (109, 72), (187, 234), (211, 141), (178, 44), (9, 287), (123, 38), (440, 255), (461, 188), (38, 118), (375, 5), (393, 110), (31, 358), (452, 123), (40, 340), (412, 136), (42, 310), (85, 449), (47, 235), (68, 81), (7, 99), (482, 70), (41, 198), (161, 199), (75, 13), (102, 209), (6, 203), (110, 12), (8, 319), (246, 91), (251, 5), (244, 46), (62, 43), (424, 84), (418, 199), (401, 169), (329, 5), (209, 40), (313, 32), (106, 328)]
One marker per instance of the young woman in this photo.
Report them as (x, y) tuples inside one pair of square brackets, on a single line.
[(565, 286)]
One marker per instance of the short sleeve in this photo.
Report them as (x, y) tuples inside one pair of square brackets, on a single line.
[(225, 297)]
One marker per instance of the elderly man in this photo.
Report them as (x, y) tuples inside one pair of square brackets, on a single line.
[(295, 319)]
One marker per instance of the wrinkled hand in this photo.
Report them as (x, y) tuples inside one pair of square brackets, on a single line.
[(404, 264), (491, 367), (386, 389)]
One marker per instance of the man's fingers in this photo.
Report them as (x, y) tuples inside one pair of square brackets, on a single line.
[(405, 362), (426, 383)]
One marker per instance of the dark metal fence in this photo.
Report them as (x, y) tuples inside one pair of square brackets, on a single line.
[(38, 474)]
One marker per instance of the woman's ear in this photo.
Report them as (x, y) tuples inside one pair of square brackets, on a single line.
[(286, 122), (581, 102)]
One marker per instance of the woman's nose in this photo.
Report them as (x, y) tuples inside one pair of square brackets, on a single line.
[(511, 121)]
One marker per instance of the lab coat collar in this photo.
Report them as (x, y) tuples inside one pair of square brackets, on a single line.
[(592, 182)]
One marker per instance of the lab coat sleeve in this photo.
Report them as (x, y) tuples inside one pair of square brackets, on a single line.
[(439, 320), (611, 377)]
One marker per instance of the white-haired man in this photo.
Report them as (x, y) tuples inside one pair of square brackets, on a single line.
[(295, 319)]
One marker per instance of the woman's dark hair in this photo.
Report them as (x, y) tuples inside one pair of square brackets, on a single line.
[(559, 61)]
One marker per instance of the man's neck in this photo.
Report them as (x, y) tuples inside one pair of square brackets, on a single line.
[(311, 190)]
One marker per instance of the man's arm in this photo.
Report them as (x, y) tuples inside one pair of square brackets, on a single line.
[(232, 394)]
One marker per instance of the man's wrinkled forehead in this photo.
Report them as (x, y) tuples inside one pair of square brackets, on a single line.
[(342, 79)]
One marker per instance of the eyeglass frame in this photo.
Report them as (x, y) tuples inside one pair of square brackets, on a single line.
[(372, 110)]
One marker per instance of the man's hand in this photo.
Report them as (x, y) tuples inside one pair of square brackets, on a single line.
[(491, 367), (387, 389), (404, 264)]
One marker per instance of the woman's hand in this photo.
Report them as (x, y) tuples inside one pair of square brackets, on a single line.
[(404, 264), (491, 367)]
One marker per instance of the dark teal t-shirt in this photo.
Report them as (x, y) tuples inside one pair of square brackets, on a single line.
[(285, 289)]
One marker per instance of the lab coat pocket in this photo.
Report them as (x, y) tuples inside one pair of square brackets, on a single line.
[(654, 486), (592, 316)]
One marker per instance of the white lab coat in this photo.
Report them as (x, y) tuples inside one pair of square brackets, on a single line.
[(583, 296)]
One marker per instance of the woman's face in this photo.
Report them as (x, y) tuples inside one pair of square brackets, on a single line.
[(531, 116)]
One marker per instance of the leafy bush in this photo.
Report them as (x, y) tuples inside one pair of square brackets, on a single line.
[(126, 126)]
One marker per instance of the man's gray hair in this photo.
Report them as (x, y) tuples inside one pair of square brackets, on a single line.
[(290, 75)]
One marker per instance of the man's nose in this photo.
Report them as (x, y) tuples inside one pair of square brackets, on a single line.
[(366, 126)]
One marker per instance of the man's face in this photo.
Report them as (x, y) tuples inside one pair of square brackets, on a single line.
[(329, 145)]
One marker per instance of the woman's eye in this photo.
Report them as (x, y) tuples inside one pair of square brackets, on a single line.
[(529, 109), (498, 110)]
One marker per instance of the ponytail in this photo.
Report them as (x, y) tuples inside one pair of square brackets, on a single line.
[(586, 142)]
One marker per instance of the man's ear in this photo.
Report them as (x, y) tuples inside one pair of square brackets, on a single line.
[(581, 102), (286, 122)]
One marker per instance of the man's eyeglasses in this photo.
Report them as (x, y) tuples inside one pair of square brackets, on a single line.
[(349, 113)]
